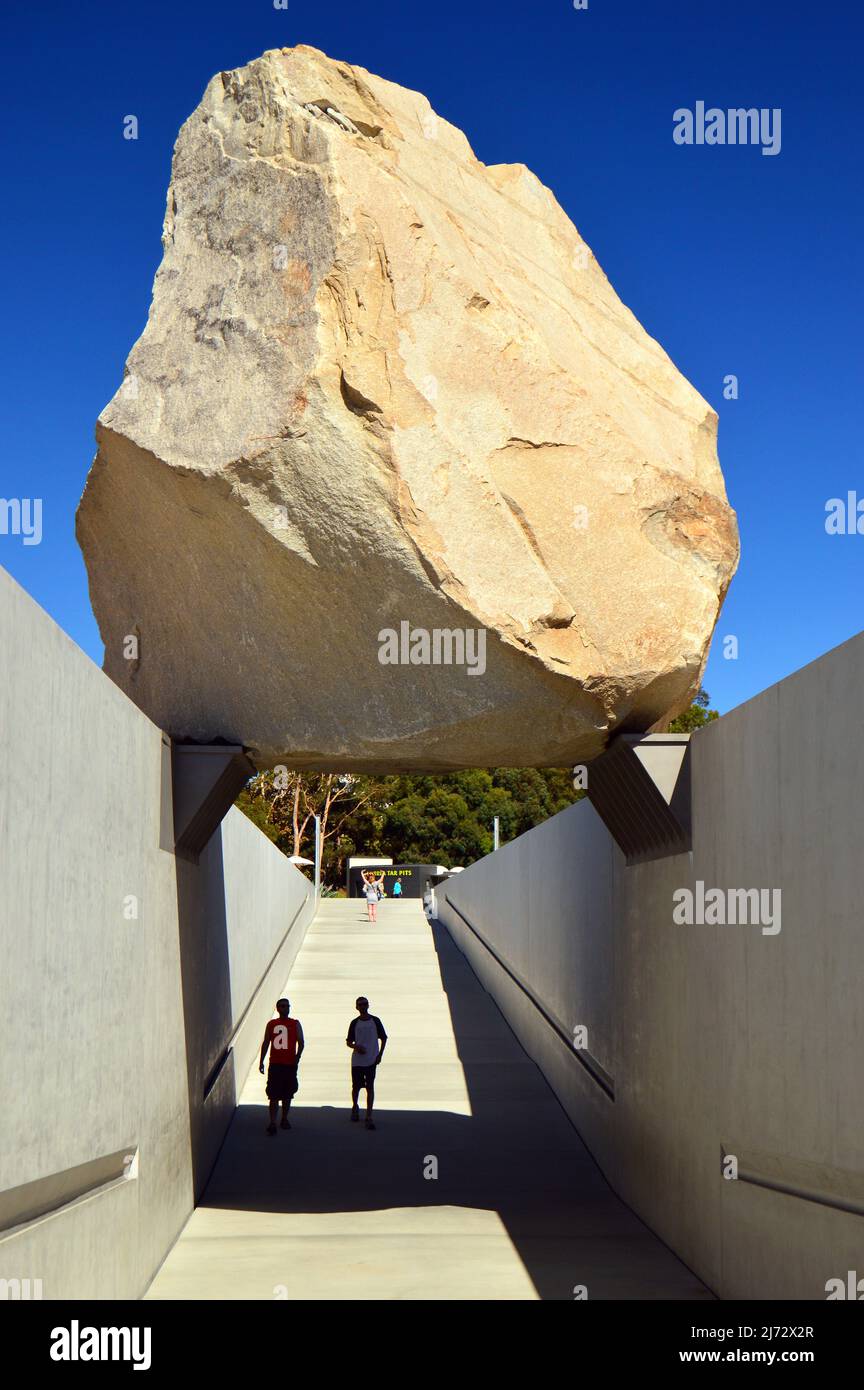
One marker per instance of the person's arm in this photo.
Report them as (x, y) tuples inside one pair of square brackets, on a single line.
[(301, 1041), (382, 1038), (349, 1041), (264, 1046)]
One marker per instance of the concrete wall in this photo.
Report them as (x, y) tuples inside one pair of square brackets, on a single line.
[(712, 1039), (112, 1026)]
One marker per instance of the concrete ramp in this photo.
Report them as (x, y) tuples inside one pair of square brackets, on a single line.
[(329, 1210)]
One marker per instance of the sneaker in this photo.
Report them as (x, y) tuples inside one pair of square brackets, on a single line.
[(286, 1124), (271, 1130), (370, 1124), (355, 1114)]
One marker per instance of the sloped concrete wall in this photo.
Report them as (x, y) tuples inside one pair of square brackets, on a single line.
[(131, 982), (712, 1039)]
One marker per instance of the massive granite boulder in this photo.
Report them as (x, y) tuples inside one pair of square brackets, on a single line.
[(394, 480)]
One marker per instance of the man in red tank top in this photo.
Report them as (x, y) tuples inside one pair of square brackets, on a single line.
[(284, 1037)]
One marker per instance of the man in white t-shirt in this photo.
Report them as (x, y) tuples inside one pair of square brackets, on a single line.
[(367, 1040)]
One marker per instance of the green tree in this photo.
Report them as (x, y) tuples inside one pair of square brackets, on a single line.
[(412, 818), (696, 717), (284, 805)]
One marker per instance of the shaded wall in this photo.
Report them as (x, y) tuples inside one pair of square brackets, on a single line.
[(708, 1039), (132, 984)]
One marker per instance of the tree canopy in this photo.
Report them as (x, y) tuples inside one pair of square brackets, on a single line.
[(695, 717)]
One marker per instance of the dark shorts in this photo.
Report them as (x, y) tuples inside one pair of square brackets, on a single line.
[(363, 1078), (281, 1081)]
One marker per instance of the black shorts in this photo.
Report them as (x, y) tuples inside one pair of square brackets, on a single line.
[(281, 1081), (363, 1078)]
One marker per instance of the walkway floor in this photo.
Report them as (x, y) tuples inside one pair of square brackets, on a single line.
[(329, 1210)]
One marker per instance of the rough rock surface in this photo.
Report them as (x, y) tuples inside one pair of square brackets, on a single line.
[(383, 383)]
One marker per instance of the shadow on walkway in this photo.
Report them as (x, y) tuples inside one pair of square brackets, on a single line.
[(513, 1174)]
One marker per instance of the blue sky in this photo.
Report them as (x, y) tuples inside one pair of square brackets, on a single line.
[(736, 262)]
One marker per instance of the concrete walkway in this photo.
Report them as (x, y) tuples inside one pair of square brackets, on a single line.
[(329, 1210)]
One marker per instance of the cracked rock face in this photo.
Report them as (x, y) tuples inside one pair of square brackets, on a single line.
[(394, 480)]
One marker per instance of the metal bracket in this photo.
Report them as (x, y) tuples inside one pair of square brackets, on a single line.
[(206, 781), (640, 789)]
